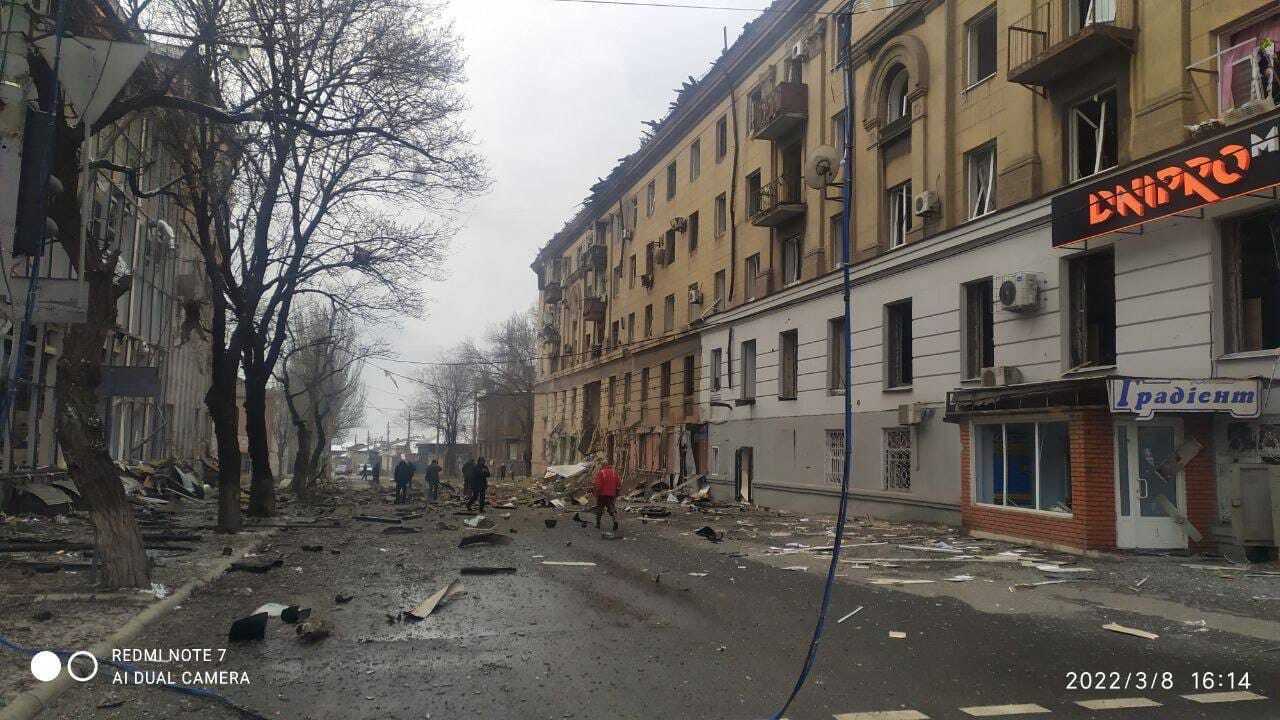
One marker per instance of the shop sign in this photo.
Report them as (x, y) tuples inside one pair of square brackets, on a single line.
[(1146, 396), (1233, 164)]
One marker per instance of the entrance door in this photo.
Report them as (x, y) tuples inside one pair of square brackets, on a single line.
[(1146, 473), (742, 463)]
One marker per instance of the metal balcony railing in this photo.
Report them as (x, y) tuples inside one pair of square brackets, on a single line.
[(1238, 90), (783, 109), (780, 200), (1061, 36)]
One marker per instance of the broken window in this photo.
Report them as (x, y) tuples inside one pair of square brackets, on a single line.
[(664, 390), (753, 193), (633, 270), (671, 180), (1092, 290), (1025, 465), (644, 384), (648, 320), (691, 232), (669, 247), (835, 456), (1251, 282), (1091, 12), (719, 290), (898, 350), (788, 364), (837, 349), (1093, 135), (979, 343), (631, 328), (695, 160), (626, 392), (722, 215), (835, 227), (669, 313), (897, 459), (792, 259), (650, 193), (722, 137), (899, 206), (837, 131), (898, 105), (981, 165), (689, 377), (752, 270), (716, 361), (615, 335), (981, 32), (695, 302), (749, 370)]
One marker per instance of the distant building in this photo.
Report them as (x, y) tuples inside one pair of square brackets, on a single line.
[(504, 430)]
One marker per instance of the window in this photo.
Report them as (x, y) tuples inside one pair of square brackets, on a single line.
[(835, 233), (613, 391), (1251, 283), (1092, 293), (644, 384), (633, 270), (615, 334), (716, 360), (692, 232), (650, 191), (669, 313), (982, 46), (837, 130), (981, 164), (689, 385), (722, 137), (898, 349), (1093, 135), (792, 259), (635, 212), (1024, 465), (648, 320), (979, 344), (749, 370), (671, 180), (664, 389), (722, 215), (631, 328), (720, 289), (626, 391), (788, 364), (837, 349), (753, 193), (899, 214), (835, 456), (749, 276), (695, 160), (695, 302), (897, 459), (898, 105), (843, 30), (754, 100), (669, 246)]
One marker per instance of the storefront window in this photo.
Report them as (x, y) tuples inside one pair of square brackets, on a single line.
[(1024, 465)]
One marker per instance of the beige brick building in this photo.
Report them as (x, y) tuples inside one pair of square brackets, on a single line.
[(693, 320)]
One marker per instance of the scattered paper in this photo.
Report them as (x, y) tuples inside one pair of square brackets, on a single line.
[(1113, 627), (846, 617), (693, 574), (797, 568), (570, 563), (960, 578), (898, 581), (897, 635)]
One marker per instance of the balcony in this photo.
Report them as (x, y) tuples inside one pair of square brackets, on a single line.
[(593, 309), (761, 285), (779, 202), (550, 333), (1237, 83), (595, 257), (552, 292), (783, 110), (1060, 37)]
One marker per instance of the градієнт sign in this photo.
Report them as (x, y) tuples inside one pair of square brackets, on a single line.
[(1147, 396), (1230, 165)]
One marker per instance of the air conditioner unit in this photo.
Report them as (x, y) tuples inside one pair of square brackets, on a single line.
[(913, 413), (1020, 292), (926, 203), (679, 224), (1000, 376)]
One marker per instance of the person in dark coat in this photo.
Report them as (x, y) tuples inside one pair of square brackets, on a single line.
[(432, 474), (468, 469), (479, 484), (403, 476)]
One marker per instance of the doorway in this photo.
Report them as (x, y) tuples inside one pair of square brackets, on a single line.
[(742, 470), (1149, 483)]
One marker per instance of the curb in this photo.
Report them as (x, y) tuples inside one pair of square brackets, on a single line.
[(32, 702)]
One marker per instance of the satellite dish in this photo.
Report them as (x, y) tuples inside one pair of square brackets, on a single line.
[(824, 165)]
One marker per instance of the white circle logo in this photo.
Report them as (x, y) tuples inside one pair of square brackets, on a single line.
[(72, 672), (45, 665)]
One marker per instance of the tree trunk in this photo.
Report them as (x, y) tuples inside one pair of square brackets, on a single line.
[(221, 401), (262, 486), (302, 462)]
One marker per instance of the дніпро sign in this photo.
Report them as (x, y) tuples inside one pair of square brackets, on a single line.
[(1233, 164), (1147, 396)]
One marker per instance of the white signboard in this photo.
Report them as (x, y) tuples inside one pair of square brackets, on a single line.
[(1145, 397)]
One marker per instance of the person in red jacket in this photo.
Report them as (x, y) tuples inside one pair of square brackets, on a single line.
[(607, 484)]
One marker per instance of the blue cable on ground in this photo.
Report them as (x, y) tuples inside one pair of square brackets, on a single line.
[(129, 667)]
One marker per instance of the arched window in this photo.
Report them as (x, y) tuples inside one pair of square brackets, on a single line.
[(898, 105)]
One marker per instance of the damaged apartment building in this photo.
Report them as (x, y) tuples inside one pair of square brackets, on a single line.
[(1064, 276), (156, 369)]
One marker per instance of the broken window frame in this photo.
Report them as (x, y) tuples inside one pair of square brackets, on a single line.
[(979, 324), (1105, 125), (695, 159), (673, 175), (716, 362), (722, 137), (648, 320), (748, 361), (897, 458), (898, 346), (754, 192), (1090, 301), (650, 198), (722, 215), (792, 260), (977, 51), (691, 234), (1238, 315), (751, 271), (897, 100), (689, 376), (984, 490), (788, 364), (981, 169), (720, 287), (899, 214), (669, 313), (837, 347)]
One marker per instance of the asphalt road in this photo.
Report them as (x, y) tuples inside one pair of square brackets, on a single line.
[(636, 636)]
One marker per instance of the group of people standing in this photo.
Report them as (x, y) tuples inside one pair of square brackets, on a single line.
[(475, 482), (404, 478)]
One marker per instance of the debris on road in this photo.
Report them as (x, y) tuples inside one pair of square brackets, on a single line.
[(897, 635), (428, 606), (1032, 585), (846, 617), (709, 533), (479, 521), (253, 627), (400, 530), (294, 614), (569, 563), (341, 599), (898, 581), (697, 574), (312, 548), (797, 568), (487, 571), (960, 578), (255, 565), (313, 631), (485, 538), (1113, 627), (271, 609), (549, 522), (377, 519)]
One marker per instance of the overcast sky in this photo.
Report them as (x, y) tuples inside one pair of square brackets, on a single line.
[(558, 92)]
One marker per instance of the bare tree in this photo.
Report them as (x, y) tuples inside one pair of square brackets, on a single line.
[(506, 365), (446, 399)]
